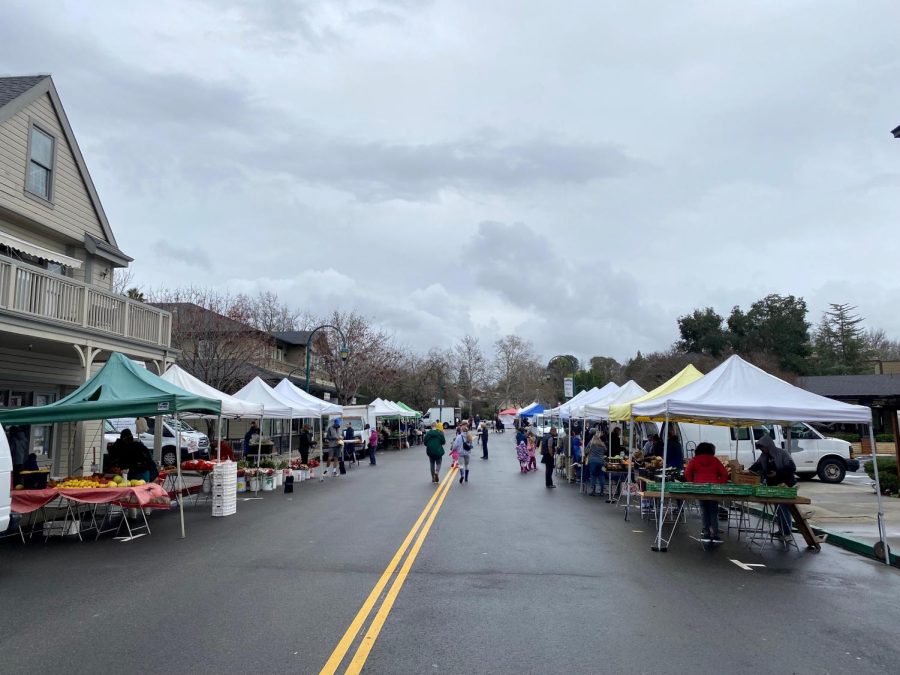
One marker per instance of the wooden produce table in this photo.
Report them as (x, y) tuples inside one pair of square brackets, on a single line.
[(812, 541)]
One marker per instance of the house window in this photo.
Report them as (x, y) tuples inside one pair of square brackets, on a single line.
[(39, 180)]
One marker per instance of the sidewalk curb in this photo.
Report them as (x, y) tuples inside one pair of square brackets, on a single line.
[(841, 541)]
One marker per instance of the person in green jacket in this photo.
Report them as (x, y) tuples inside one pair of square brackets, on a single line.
[(434, 448)]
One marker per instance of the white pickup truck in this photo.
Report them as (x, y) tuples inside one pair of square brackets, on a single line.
[(194, 444), (813, 453)]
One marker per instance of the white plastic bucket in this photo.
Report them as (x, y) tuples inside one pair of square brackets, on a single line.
[(241, 483), (268, 483), (253, 484)]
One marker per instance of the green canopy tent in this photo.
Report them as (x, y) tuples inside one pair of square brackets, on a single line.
[(121, 388), (414, 413)]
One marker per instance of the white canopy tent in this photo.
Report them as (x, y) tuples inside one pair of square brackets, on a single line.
[(232, 408), (275, 406), (605, 393), (737, 393), (600, 409), (563, 409), (296, 396)]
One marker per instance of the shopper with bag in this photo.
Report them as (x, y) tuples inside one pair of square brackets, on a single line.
[(462, 445)]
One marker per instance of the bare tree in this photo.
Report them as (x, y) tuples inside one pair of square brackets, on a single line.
[(214, 333), (123, 279), (471, 367), (373, 359), (519, 375)]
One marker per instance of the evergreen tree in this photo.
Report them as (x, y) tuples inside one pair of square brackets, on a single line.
[(841, 345)]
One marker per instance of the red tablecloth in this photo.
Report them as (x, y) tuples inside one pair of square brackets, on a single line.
[(150, 496)]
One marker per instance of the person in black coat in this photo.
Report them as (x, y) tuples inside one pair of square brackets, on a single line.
[(484, 440)]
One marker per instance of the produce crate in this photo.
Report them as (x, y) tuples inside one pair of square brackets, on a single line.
[(652, 487), (774, 491), (732, 489), (744, 478)]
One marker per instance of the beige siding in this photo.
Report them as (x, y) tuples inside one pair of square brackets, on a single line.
[(51, 243), (72, 213)]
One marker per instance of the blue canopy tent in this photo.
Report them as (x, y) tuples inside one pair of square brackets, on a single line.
[(533, 409)]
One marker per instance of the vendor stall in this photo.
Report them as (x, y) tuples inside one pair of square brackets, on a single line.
[(738, 394), (120, 388)]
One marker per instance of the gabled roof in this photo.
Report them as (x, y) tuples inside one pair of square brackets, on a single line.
[(16, 94), (13, 87), (293, 337)]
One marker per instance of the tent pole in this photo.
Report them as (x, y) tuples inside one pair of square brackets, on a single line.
[(662, 491), (180, 488), (882, 533), (219, 440), (258, 458), (290, 440), (630, 462)]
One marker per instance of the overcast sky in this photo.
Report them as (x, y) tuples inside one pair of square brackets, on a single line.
[(579, 173)]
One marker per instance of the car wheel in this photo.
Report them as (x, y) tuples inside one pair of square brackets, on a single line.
[(169, 456), (831, 470)]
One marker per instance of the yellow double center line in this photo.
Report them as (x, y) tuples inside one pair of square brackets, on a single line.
[(368, 641)]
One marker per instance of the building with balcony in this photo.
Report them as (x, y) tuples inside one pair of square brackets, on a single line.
[(58, 314)]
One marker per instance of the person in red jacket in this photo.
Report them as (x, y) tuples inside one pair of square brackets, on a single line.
[(705, 467)]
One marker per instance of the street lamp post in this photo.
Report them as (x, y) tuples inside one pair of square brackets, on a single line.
[(344, 351)]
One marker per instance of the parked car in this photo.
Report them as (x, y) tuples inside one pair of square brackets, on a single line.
[(194, 444)]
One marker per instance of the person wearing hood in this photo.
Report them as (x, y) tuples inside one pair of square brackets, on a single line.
[(434, 448), (776, 467)]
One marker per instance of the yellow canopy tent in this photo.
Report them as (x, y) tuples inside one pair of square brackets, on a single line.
[(622, 411)]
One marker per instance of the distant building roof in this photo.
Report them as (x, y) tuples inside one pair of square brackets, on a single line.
[(293, 337), (12, 88), (853, 386)]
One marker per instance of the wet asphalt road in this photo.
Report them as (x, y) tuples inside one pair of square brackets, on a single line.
[(512, 578)]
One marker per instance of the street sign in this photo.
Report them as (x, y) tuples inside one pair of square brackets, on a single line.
[(569, 387), (440, 401)]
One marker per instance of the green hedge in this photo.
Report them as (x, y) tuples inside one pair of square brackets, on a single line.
[(884, 438), (887, 475), (854, 438)]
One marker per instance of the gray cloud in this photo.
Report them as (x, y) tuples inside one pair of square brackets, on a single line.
[(193, 256)]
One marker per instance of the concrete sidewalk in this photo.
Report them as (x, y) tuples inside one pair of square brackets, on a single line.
[(850, 509)]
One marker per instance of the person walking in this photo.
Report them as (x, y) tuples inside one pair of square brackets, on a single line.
[(373, 442), (350, 443), (463, 444), (596, 462), (334, 444), (548, 452), (483, 430), (531, 446), (434, 448)]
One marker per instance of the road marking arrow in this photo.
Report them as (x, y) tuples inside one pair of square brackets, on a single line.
[(746, 566)]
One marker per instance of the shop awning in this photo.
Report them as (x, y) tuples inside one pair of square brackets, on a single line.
[(28, 248)]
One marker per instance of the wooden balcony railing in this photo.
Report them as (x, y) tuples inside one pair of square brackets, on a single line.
[(32, 291)]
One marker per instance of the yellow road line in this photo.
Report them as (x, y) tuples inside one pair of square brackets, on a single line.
[(343, 646), (368, 641)]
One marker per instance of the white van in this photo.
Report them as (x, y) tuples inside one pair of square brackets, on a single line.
[(194, 444), (5, 481), (813, 453)]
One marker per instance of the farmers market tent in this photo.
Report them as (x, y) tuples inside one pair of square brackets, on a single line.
[(533, 409), (121, 388), (297, 397), (737, 393), (627, 392), (509, 412), (415, 413), (382, 408), (622, 411), (274, 405), (604, 393), (231, 407)]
